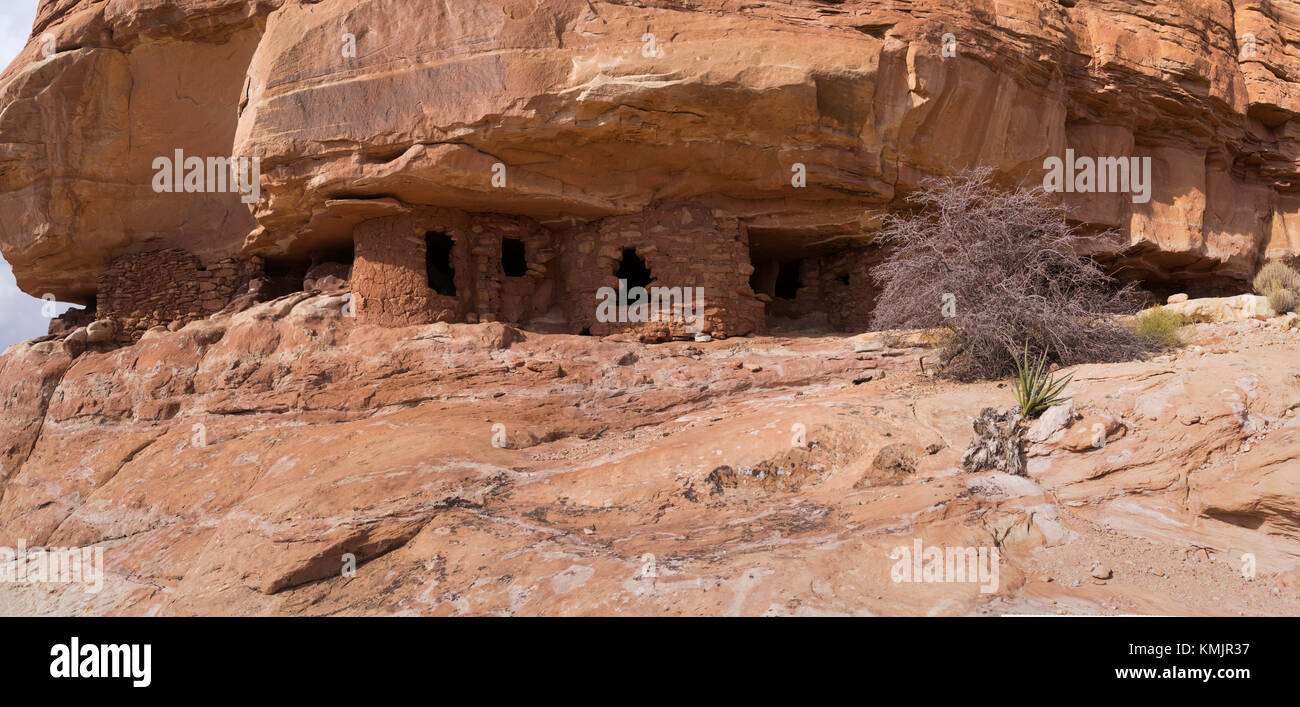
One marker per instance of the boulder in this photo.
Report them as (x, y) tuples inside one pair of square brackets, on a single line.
[(1053, 420), (101, 331), (75, 342), (155, 332), (1092, 432), (1223, 309), (327, 277)]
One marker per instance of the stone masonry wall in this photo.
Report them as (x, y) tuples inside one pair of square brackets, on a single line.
[(850, 304), (388, 276), (837, 289), (683, 246), (390, 281), (168, 288)]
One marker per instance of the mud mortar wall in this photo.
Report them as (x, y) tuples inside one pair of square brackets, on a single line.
[(836, 290), (390, 278), (168, 287), (683, 246)]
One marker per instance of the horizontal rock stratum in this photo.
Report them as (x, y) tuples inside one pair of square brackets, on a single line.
[(360, 109), (391, 374), (248, 463)]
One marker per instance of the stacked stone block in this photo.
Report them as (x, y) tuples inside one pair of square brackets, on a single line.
[(390, 280), (683, 246), (168, 288)]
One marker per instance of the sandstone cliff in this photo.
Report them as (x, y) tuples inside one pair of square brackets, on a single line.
[(379, 357), (605, 108)]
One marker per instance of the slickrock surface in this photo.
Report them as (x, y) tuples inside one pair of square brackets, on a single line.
[(600, 108), (227, 467), (231, 459)]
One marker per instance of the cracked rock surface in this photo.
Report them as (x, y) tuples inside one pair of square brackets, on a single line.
[(232, 466), (605, 107)]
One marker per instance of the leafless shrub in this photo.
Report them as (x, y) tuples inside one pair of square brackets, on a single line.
[(997, 269)]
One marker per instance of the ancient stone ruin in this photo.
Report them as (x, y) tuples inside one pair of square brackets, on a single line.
[(447, 265), (167, 288)]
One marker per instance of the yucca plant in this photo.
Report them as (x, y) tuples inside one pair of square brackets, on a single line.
[(1036, 388)]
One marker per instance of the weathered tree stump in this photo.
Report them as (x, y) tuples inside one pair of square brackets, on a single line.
[(998, 444)]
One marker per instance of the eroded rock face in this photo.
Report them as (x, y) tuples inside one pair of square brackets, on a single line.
[(126, 83), (599, 109), (233, 467)]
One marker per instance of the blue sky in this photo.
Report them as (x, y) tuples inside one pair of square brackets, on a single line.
[(20, 315)]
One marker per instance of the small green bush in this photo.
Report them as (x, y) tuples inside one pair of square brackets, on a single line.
[(1159, 327), (1283, 301), (1276, 275), (1036, 388)]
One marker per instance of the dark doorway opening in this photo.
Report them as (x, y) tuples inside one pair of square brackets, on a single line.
[(787, 279), (763, 279), (345, 256), (633, 269), (437, 263), (283, 277), (513, 260)]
